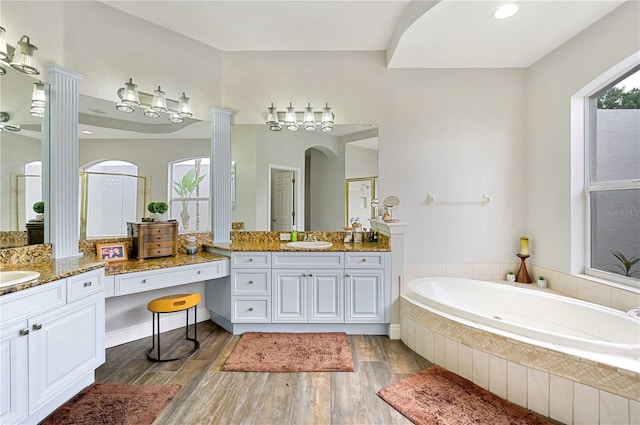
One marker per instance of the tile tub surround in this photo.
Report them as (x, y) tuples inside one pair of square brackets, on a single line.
[(563, 387)]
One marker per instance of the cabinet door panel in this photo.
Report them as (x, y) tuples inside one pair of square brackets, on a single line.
[(365, 301), (326, 296), (289, 296), (14, 392), (64, 345)]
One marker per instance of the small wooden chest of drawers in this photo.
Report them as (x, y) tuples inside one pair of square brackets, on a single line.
[(154, 239)]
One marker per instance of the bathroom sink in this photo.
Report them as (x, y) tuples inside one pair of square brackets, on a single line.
[(15, 277), (310, 244)]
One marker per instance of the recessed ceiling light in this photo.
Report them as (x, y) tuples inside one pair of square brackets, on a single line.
[(506, 11), (87, 132)]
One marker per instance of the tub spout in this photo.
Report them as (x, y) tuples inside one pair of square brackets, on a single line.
[(634, 312)]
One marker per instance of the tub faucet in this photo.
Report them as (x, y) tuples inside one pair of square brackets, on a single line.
[(634, 312)]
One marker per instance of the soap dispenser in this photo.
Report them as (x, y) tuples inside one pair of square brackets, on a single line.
[(294, 233)]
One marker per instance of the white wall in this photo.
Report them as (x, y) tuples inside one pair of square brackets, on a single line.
[(550, 84), (360, 162), (455, 134)]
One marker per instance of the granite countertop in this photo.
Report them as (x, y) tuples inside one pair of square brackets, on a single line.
[(57, 269), (282, 247)]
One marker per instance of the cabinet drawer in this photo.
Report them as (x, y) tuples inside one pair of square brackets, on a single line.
[(157, 245), (250, 259), (156, 252), (149, 280), (254, 282), (251, 309), (158, 237), (25, 303), (158, 230), (364, 259), (83, 285), (308, 260)]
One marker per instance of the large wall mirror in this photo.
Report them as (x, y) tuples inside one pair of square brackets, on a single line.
[(303, 172), (21, 159), (127, 160)]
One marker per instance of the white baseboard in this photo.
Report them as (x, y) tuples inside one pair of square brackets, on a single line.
[(394, 331), (143, 330)]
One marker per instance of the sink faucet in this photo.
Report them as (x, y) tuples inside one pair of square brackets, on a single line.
[(310, 238), (634, 312)]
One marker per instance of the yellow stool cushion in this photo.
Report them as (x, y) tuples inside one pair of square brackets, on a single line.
[(172, 303)]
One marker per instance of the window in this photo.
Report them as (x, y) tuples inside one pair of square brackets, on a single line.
[(190, 195), (110, 197), (613, 180)]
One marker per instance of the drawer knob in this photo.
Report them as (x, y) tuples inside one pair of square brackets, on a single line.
[(347, 275), (24, 332), (250, 260), (37, 326), (250, 308), (145, 280), (250, 282), (200, 272), (86, 284), (364, 260), (310, 275)]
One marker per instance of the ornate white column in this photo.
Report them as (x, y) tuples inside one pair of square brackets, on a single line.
[(221, 175), (395, 232), (62, 146)]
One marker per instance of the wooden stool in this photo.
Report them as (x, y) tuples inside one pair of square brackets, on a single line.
[(170, 304)]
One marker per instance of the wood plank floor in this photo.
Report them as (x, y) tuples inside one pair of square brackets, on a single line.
[(210, 396)]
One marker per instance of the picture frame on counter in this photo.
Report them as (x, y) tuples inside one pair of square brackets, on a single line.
[(110, 252)]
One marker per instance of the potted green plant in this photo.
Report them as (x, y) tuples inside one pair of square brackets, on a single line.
[(38, 208), (626, 264), (542, 282), (159, 210), (511, 277)]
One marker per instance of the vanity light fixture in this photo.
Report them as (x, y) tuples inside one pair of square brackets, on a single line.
[(4, 54), (506, 11), (291, 119), (155, 104), (23, 59), (4, 119), (38, 100)]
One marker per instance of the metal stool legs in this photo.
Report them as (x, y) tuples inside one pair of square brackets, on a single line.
[(155, 337)]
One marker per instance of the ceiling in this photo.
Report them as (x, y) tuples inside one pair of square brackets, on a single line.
[(415, 34)]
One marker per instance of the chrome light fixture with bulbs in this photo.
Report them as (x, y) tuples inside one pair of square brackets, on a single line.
[(21, 58), (154, 104), (38, 100), (308, 119)]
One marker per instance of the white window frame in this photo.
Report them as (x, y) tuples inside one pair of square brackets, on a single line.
[(590, 103), (171, 197)]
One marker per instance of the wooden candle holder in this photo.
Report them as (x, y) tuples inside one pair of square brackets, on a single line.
[(523, 274)]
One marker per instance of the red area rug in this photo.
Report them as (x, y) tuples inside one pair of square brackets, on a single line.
[(435, 396), (291, 352), (110, 404)]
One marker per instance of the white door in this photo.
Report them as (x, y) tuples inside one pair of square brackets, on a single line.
[(289, 296), (326, 296), (64, 345), (365, 302), (282, 206), (14, 376)]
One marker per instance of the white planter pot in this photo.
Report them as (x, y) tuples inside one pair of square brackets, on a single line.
[(542, 283), (511, 277)]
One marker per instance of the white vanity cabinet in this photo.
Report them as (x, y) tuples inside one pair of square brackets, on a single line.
[(365, 288), (308, 287), (251, 287), (284, 291), (52, 340)]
